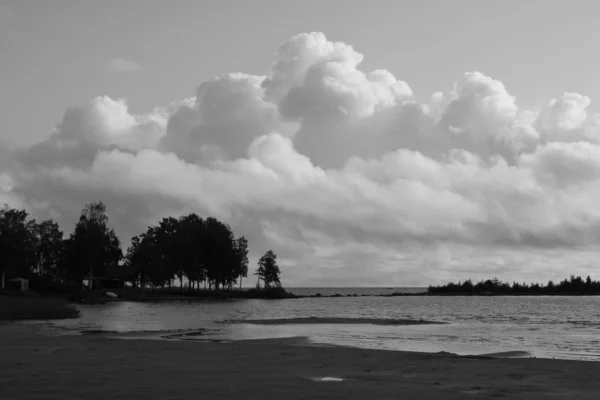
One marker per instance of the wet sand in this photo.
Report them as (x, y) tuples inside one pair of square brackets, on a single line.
[(38, 366), (317, 320)]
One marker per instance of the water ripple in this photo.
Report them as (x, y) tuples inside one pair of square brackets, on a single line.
[(560, 327)]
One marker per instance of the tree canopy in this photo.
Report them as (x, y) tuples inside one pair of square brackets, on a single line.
[(188, 250), (93, 246), (16, 241), (200, 250), (268, 270), (573, 285)]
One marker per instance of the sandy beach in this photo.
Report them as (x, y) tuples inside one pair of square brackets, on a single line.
[(36, 365)]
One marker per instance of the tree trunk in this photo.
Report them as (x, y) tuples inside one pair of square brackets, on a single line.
[(181, 282), (3, 275), (90, 285), (240, 283)]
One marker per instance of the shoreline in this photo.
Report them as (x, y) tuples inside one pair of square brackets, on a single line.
[(167, 298), (99, 297), (337, 321), (37, 365), (216, 333)]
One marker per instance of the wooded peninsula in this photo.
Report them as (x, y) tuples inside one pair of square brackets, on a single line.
[(189, 252)]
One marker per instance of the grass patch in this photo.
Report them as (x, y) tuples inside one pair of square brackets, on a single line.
[(21, 307)]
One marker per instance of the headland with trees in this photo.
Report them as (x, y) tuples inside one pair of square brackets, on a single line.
[(184, 256), (573, 286)]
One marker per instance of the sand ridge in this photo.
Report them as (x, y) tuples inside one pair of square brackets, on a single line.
[(333, 320)]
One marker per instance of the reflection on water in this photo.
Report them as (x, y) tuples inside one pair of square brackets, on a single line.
[(561, 327)]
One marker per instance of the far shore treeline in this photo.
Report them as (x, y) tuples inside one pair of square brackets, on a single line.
[(574, 285), (188, 252)]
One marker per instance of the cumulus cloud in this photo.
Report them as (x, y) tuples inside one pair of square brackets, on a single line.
[(225, 116), (101, 124), (118, 64), (340, 170)]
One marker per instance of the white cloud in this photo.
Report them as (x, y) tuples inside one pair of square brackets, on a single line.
[(118, 64), (339, 170), (226, 115)]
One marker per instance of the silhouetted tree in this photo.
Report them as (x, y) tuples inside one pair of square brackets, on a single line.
[(49, 244), (15, 242), (219, 254), (146, 256), (188, 247), (171, 249), (92, 246), (241, 258), (268, 270), (573, 285), (190, 237)]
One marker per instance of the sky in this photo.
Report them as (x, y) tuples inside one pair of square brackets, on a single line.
[(380, 143)]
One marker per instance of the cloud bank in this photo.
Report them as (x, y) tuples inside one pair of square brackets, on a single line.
[(339, 170)]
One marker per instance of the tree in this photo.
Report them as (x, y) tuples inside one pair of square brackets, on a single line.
[(573, 285), (268, 270), (92, 246), (201, 250), (15, 242), (48, 247), (219, 253), (145, 255), (191, 255), (241, 258), (170, 247), (132, 259)]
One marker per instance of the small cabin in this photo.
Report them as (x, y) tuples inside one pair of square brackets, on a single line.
[(115, 278), (18, 284)]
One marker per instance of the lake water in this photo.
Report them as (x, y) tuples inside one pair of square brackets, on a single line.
[(349, 291), (560, 327)]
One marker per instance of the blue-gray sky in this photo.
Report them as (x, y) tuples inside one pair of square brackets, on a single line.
[(367, 143)]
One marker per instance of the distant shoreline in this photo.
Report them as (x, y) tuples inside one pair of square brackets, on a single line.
[(206, 296)]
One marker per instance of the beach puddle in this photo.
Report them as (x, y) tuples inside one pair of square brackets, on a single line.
[(327, 379)]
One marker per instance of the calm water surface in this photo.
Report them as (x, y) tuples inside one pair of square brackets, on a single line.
[(560, 327)]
